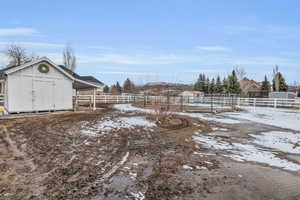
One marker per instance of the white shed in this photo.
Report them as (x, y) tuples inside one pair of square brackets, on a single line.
[(39, 85)]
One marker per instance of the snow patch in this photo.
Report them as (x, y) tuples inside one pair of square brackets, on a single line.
[(214, 119), (187, 167), (210, 142), (138, 195), (246, 152), (284, 141), (282, 118), (109, 125), (130, 108)]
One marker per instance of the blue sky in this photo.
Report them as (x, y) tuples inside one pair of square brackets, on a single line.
[(155, 40)]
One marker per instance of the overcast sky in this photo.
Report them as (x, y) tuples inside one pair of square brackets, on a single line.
[(159, 40)]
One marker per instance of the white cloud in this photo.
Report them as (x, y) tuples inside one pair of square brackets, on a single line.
[(214, 48), (39, 45), (169, 59), (213, 71), (266, 61), (17, 31), (129, 73), (135, 59)]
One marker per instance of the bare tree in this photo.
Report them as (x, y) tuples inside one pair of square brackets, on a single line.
[(240, 72), (69, 58), (17, 55)]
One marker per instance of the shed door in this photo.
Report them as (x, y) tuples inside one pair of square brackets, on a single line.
[(42, 96)]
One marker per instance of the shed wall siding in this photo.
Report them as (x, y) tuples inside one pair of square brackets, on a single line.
[(30, 90)]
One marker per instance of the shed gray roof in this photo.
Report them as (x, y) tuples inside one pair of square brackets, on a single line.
[(83, 78), (90, 79)]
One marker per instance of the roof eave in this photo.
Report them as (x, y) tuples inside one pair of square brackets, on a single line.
[(44, 59)]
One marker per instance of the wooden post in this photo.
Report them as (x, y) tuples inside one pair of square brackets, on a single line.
[(94, 99), (211, 101), (275, 103), (181, 98), (76, 100)]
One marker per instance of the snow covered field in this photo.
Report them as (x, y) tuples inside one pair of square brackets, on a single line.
[(109, 125), (207, 105), (282, 118), (265, 148), (129, 107)]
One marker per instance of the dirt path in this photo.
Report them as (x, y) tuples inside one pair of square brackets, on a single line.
[(49, 157)]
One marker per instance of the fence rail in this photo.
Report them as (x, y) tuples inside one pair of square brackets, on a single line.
[(176, 100), (1, 99), (263, 102)]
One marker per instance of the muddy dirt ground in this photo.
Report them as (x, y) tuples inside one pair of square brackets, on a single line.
[(48, 157)]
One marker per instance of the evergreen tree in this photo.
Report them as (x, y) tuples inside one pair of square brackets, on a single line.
[(200, 84), (119, 88), (212, 86), (265, 85), (206, 85), (225, 85), (219, 87), (106, 89), (233, 84), (279, 84), (128, 86), (113, 89)]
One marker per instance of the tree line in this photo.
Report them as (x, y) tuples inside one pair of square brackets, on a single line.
[(278, 83), (229, 84), (128, 87)]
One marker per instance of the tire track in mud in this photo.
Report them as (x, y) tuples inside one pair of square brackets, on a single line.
[(22, 162)]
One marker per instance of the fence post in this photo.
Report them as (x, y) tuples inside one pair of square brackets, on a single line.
[(275, 103), (181, 103), (211, 101), (254, 102), (76, 101), (94, 99)]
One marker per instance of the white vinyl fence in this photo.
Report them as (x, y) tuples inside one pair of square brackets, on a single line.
[(263, 102), (230, 101)]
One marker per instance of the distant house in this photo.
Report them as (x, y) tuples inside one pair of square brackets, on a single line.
[(252, 89), (191, 94), (40, 85)]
